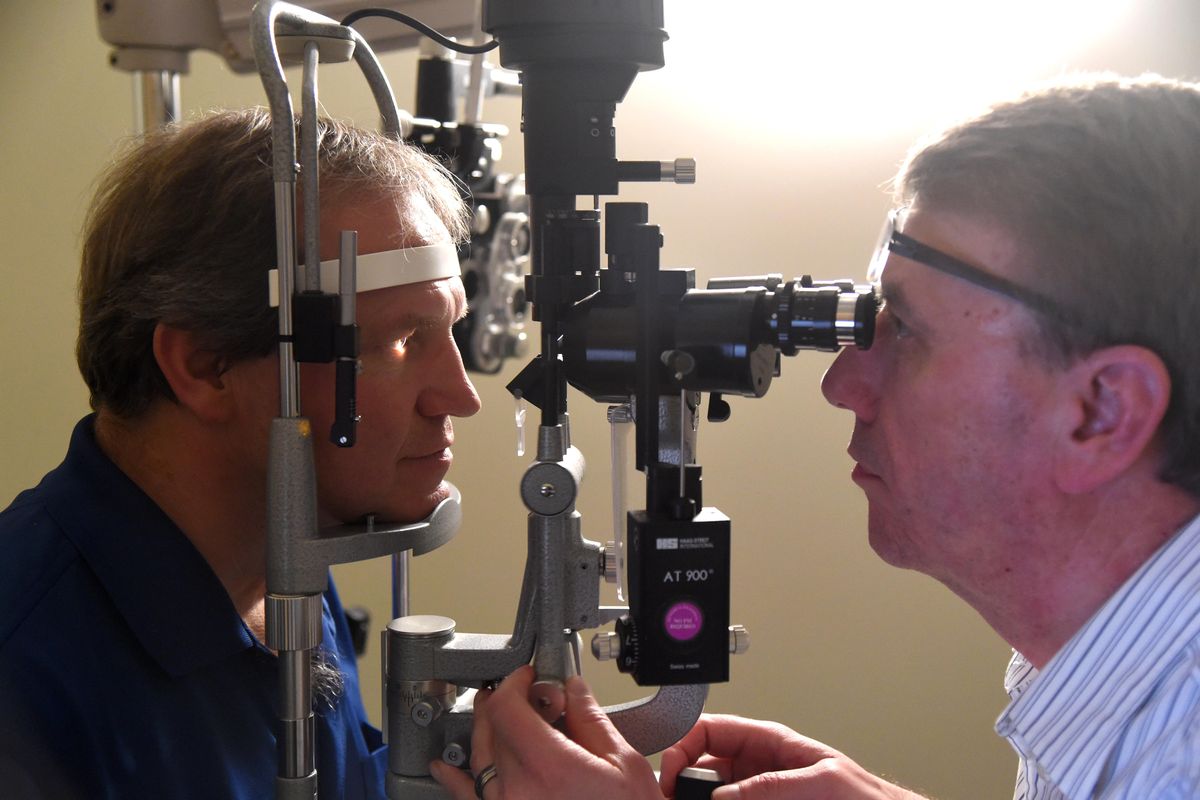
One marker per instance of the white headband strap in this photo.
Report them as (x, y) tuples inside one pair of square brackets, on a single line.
[(387, 269)]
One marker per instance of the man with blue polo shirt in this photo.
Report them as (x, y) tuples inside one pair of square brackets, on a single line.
[(132, 661)]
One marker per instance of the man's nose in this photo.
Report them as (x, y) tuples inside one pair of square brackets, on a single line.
[(848, 383), (449, 391)]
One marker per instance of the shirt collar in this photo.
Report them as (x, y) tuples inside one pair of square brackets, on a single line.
[(158, 581), (1019, 675), (1068, 717)]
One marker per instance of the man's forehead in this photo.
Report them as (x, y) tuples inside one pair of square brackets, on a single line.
[(384, 220), (918, 292), (977, 254), (974, 238), (415, 303)]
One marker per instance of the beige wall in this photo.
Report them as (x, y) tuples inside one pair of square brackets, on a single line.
[(885, 665)]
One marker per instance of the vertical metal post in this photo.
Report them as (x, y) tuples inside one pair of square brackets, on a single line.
[(155, 99), (401, 588), (285, 246), (293, 630), (310, 278)]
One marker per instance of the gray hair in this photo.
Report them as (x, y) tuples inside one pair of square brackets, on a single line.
[(182, 231), (328, 680), (1098, 179)]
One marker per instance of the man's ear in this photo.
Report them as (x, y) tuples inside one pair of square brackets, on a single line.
[(1118, 398), (194, 374)]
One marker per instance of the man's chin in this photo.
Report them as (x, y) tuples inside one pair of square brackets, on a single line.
[(892, 550), (397, 510), (433, 499)]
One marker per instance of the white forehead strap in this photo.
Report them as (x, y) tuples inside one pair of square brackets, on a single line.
[(387, 269)]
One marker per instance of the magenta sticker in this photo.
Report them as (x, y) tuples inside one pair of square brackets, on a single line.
[(683, 621)]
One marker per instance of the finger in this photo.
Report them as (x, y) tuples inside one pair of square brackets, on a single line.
[(674, 759), (719, 765), (483, 735), (684, 753), (458, 783), (771, 785), (751, 747), (669, 772), (765, 742), (587, 723), (836, 778), (518, 734), (689, 750), (482, 752)]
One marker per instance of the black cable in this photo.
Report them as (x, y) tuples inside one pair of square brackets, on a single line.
[(416, 24)]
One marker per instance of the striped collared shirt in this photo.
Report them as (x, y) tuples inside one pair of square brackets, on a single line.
[(1116, 712)]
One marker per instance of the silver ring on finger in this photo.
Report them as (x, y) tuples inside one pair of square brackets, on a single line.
[(481, 780)]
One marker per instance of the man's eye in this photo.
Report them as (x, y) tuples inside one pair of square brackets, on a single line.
[(402, 343), (898, 329)]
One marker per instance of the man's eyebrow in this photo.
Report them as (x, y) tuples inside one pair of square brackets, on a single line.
[(463, 312), (402, 324), (405, 321), (894, 295)]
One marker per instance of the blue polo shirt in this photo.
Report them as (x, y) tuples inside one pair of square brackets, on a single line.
[(126, 672)]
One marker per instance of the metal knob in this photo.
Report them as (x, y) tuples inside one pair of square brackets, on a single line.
[(548, 698), (455, 755), (739, 639), (608, 563), (422, 713), (681, 170), (606, 646)]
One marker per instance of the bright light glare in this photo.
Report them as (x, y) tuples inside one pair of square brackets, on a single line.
[(847, 66)]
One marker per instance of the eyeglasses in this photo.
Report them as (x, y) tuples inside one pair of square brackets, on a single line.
[(893, 241)]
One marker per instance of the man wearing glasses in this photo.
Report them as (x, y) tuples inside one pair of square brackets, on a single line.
[(1027, 431)]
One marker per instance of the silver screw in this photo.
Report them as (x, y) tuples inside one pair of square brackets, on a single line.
[(608, 562), (684, 170), (621, 413), (422, 713), (547, 490), (606, 646), (739, 639), (455, 755)]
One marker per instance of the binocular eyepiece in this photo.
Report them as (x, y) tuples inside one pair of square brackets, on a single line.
[(726, 338), (812, 315)]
